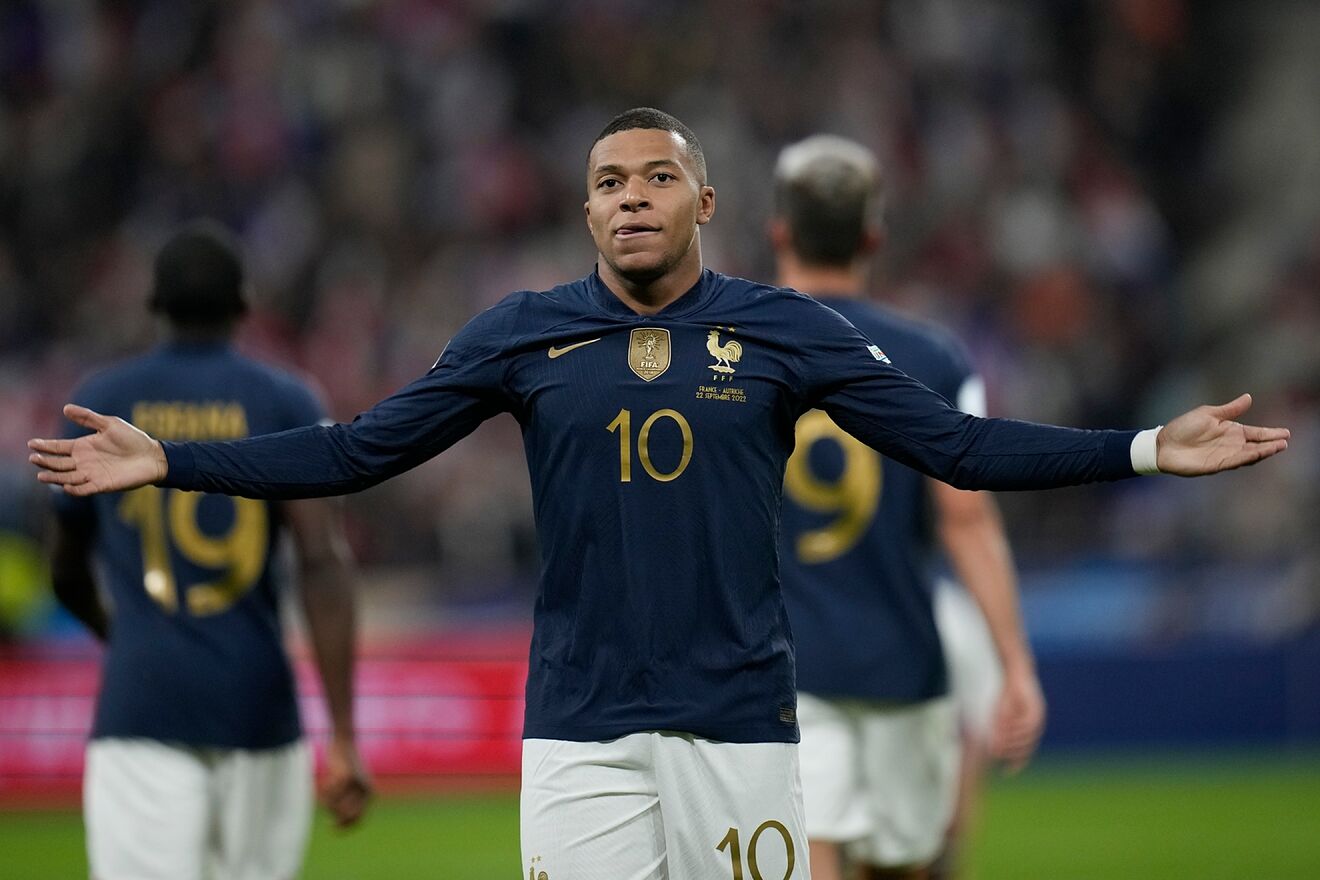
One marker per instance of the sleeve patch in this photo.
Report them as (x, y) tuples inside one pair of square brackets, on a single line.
[(878, 354)]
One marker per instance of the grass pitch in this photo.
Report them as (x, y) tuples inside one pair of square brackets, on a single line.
[(1216, 818)]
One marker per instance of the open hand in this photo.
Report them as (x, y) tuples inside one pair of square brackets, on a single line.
[(116, 457), (1208, 440)]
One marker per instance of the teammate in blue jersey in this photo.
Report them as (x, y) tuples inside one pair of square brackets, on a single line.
[(197, 766), (657, 401), (880, 730)]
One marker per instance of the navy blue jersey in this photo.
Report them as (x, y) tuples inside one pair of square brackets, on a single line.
[(656, 446), (195, 653), (856, 548)]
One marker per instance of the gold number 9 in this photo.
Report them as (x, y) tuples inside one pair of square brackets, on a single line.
[(169, 517), (854, 497)]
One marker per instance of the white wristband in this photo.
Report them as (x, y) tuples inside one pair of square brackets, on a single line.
[(1144, 451)]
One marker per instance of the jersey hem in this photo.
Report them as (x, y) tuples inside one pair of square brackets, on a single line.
[(614, 731), (204, 743)]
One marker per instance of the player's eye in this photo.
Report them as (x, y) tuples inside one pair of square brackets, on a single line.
[(608, 183), (664, 177)]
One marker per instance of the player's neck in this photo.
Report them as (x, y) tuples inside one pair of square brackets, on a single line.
[(199, 334), (649, 297), (849, 281)]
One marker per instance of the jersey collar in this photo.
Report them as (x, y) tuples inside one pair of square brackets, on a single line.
[(695, 297)]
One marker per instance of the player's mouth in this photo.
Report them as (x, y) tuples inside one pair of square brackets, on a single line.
[(634, 230)]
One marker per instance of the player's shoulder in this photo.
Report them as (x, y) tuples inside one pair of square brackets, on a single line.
[(492, 329), (100, 386), (282, 381), (781, 305), (890, 324), (527, 313), (522, 310), (497, 330), (731, 287)]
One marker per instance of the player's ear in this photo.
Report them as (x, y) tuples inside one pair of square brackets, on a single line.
[(776, 229), (705, 204)]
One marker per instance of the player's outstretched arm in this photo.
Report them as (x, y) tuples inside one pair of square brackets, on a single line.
[(1208, 440), (115, 457)]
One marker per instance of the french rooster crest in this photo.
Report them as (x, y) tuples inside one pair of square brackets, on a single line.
[(725, 355)]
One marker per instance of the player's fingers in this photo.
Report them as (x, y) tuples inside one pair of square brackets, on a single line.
[(1012, 762), (1261, 435), (51, 447), (81, 415), (1270, 447), (1018, 743), (62, 478), (1233, 408), (1023, 744), (345, 797), (350, 814), (52, 462), (1256, 452), (1005, 751), (348, 807), (1015, 764)]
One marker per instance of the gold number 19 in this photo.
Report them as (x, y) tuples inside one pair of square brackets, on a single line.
[(169, 517)]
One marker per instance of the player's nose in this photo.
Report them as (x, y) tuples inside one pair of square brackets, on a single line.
[(634, 198)]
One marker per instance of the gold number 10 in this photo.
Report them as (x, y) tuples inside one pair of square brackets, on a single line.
[(165, 517), (730, 842), (623, 425)]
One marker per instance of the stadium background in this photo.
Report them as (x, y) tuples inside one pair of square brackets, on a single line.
[(1117, 204)]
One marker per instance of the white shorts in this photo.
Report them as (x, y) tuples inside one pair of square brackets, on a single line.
[(661, 806), (880, 778), (162, 811), (975, 676)]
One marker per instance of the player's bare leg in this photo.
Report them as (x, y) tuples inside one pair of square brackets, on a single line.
[(826, 860), (971, 774)]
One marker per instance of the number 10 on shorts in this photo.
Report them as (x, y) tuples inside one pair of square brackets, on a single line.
[(732, 842)]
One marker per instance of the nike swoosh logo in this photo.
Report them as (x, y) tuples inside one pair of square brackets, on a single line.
[(557, 352)]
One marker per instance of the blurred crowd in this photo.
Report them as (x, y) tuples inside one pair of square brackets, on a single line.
[(1116, 204)]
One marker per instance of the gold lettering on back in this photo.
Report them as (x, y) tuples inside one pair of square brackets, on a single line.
[(177, 420)]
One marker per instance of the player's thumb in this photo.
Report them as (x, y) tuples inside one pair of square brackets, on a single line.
[(81, 415), (1234, 408)]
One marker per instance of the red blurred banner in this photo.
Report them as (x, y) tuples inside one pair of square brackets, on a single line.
[(442, 710)]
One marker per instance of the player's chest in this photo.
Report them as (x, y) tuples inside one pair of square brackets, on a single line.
[(705, 374)]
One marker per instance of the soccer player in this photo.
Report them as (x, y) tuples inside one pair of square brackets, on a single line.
[(657, 401), (880, 731), (197, 766)]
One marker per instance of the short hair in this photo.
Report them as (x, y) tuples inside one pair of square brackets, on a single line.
[(828, 190), (198, 278), (658, 120)]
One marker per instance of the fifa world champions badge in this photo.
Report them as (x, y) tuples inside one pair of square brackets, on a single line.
[(649, 352)]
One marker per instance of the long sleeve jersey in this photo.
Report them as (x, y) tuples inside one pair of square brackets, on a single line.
[(656, 447)]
